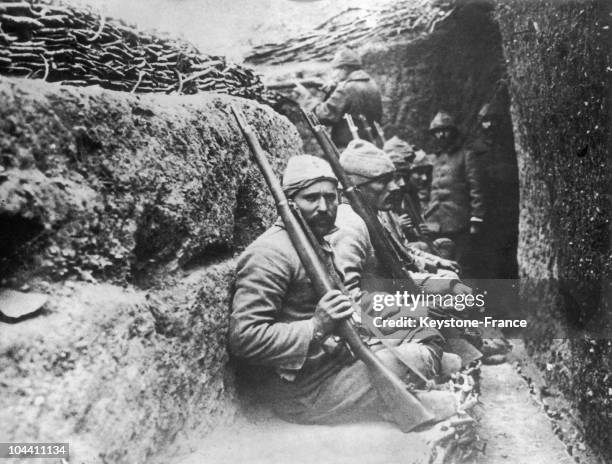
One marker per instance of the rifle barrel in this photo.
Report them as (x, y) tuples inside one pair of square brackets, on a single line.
[(351, 125), (288, 85), (367, 128)]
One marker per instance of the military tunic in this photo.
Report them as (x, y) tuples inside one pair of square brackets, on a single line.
[(270, 326), (357, 94)]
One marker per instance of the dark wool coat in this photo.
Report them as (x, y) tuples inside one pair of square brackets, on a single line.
[(356, 95), (456, 191)]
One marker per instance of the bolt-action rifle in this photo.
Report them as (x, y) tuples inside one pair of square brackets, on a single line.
[(386, 251), (408, 412), (378, 234), (380, 132), (417, 221), (368, 131)]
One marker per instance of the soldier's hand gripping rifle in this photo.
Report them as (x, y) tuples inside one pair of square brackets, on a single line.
[(417, 221), (407, 410)]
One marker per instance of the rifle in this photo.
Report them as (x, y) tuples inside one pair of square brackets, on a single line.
[(380, 132), (288, 85), (368, 130), (406, 409), (352, 126), (387, 252), (417, 220)]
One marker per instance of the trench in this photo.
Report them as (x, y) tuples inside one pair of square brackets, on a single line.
[(149, 341)]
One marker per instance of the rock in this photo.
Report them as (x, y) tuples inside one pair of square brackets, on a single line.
[(132, 200), (100, 375), (16, 306), (164, 205)]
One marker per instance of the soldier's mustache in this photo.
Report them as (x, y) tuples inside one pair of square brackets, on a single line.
[(322, 219)]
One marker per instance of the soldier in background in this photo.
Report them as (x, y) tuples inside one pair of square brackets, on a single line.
[(420, 179), (355, 93), (456, 208), (500, 185), (404, 221)]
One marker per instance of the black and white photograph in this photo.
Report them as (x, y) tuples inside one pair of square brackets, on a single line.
[(305, 231)]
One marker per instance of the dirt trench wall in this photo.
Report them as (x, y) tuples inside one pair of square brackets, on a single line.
[(558, 64), (126, 211), (109, 185)]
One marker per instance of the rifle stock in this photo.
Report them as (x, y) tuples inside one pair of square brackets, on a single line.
[(405, 408)]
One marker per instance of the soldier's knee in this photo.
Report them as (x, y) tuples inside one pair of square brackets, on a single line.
[(449, 364)]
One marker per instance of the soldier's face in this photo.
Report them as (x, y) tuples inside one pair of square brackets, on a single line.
[(444, 137), (443, 134), (418, 179), (319, 205), (382, 193)]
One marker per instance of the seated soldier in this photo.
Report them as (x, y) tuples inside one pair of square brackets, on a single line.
[(404, 220), (373, 172), (279, 324)]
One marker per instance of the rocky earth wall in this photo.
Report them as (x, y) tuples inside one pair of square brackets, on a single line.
[(126, 212), (559, 68), (458, 67)]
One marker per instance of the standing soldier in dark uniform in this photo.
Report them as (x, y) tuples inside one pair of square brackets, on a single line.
[(500, 185), (456, 208), (356, 94)]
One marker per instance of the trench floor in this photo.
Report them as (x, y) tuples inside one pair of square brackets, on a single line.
[(512, 424)]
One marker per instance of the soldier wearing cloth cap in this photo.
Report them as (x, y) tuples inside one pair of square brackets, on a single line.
[(356, 94), (399, 220), (373, 172), (279, 324)]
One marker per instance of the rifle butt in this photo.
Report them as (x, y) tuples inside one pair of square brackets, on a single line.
[(405, 409)]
